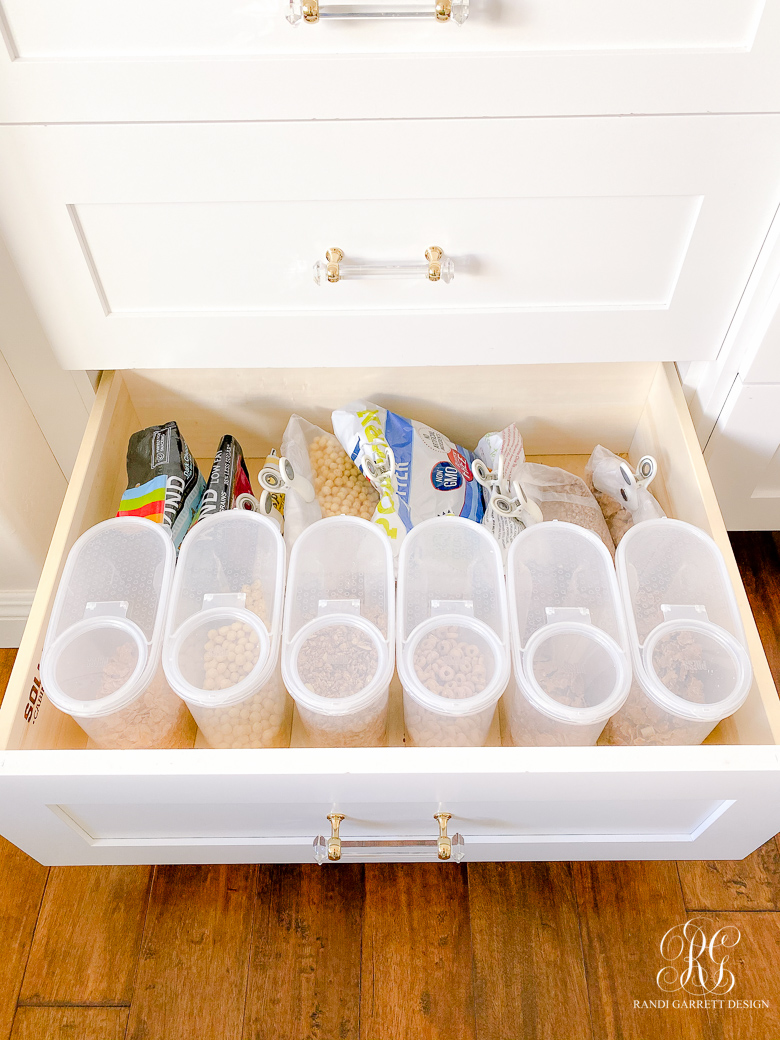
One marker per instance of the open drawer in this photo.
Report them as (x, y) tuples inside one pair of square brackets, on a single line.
[(65, 803)]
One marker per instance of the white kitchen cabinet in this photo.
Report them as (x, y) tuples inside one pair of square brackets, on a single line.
[(88, 61), (573, 239), (743, 456), (738, 404), (65, 803), (603, 177)]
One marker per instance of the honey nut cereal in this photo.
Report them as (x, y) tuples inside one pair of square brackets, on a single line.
[(452, 668), (339, 485), (426, 728), (449, 666)]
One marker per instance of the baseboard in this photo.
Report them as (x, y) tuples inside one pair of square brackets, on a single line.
[(14, 611)]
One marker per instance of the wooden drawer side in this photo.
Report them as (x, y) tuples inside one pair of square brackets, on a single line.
[(666, 430), (27, 719)]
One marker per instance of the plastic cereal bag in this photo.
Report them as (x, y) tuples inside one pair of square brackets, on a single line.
[(425, 474), (623, 502), (564, 496), (506, 446), (339, 486)]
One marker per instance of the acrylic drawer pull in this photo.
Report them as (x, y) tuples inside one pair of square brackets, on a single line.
[(436, 267), (448, 848), (442, 10)]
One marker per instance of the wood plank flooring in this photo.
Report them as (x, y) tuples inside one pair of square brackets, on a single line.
[(521, 951)]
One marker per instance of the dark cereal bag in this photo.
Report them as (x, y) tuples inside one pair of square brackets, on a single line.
[(164, 483)]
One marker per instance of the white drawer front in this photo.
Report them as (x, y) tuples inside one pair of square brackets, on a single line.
[(508, 803), (94, 61), (598, 239), (91, 29)]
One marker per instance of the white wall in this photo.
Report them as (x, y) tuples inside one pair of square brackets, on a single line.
[(33, 486), (43, 411)]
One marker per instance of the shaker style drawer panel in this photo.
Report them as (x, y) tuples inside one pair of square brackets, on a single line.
[(521, 253), (94, 61), (45, 29), (63, 802), (571, 239)]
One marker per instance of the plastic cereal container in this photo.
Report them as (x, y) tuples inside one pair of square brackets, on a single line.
[(691, 665), (101, 657), (452, 632), (339, 631), (570, 661), (224, 629)]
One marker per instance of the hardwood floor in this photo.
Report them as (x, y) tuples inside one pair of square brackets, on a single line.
[(492, 951)]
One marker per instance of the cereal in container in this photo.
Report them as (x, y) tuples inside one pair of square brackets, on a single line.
[(452, 650), (101, 660), (689, 655), (224, 631), (569, 642), (339, 628)]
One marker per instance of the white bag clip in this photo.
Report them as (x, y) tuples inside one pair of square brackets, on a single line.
[(629, 482), (279, 478), (646, 471), (247, 501), (505, 500), (377, 470)]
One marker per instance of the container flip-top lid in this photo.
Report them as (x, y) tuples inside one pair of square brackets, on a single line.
[(229, 586), (339, 618), (104, 638), (567, 630), (687, 640), (451, 577)]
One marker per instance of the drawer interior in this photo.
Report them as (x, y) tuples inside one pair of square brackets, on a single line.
[(561, 410)]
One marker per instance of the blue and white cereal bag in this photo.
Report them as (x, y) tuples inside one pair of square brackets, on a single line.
[(432, 476)]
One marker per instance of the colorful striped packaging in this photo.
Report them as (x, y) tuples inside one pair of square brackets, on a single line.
[(164, 483)]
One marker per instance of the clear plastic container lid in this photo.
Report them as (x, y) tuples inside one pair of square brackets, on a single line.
[(568, 635), (104, 639), (687, 640), (339, 618), (452, 603), (224, 622)]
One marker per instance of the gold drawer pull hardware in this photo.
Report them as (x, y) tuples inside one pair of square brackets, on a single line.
[(334, 842), (442, 10), (436, 268), (444, 841), (448, 848), (334, 258)]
